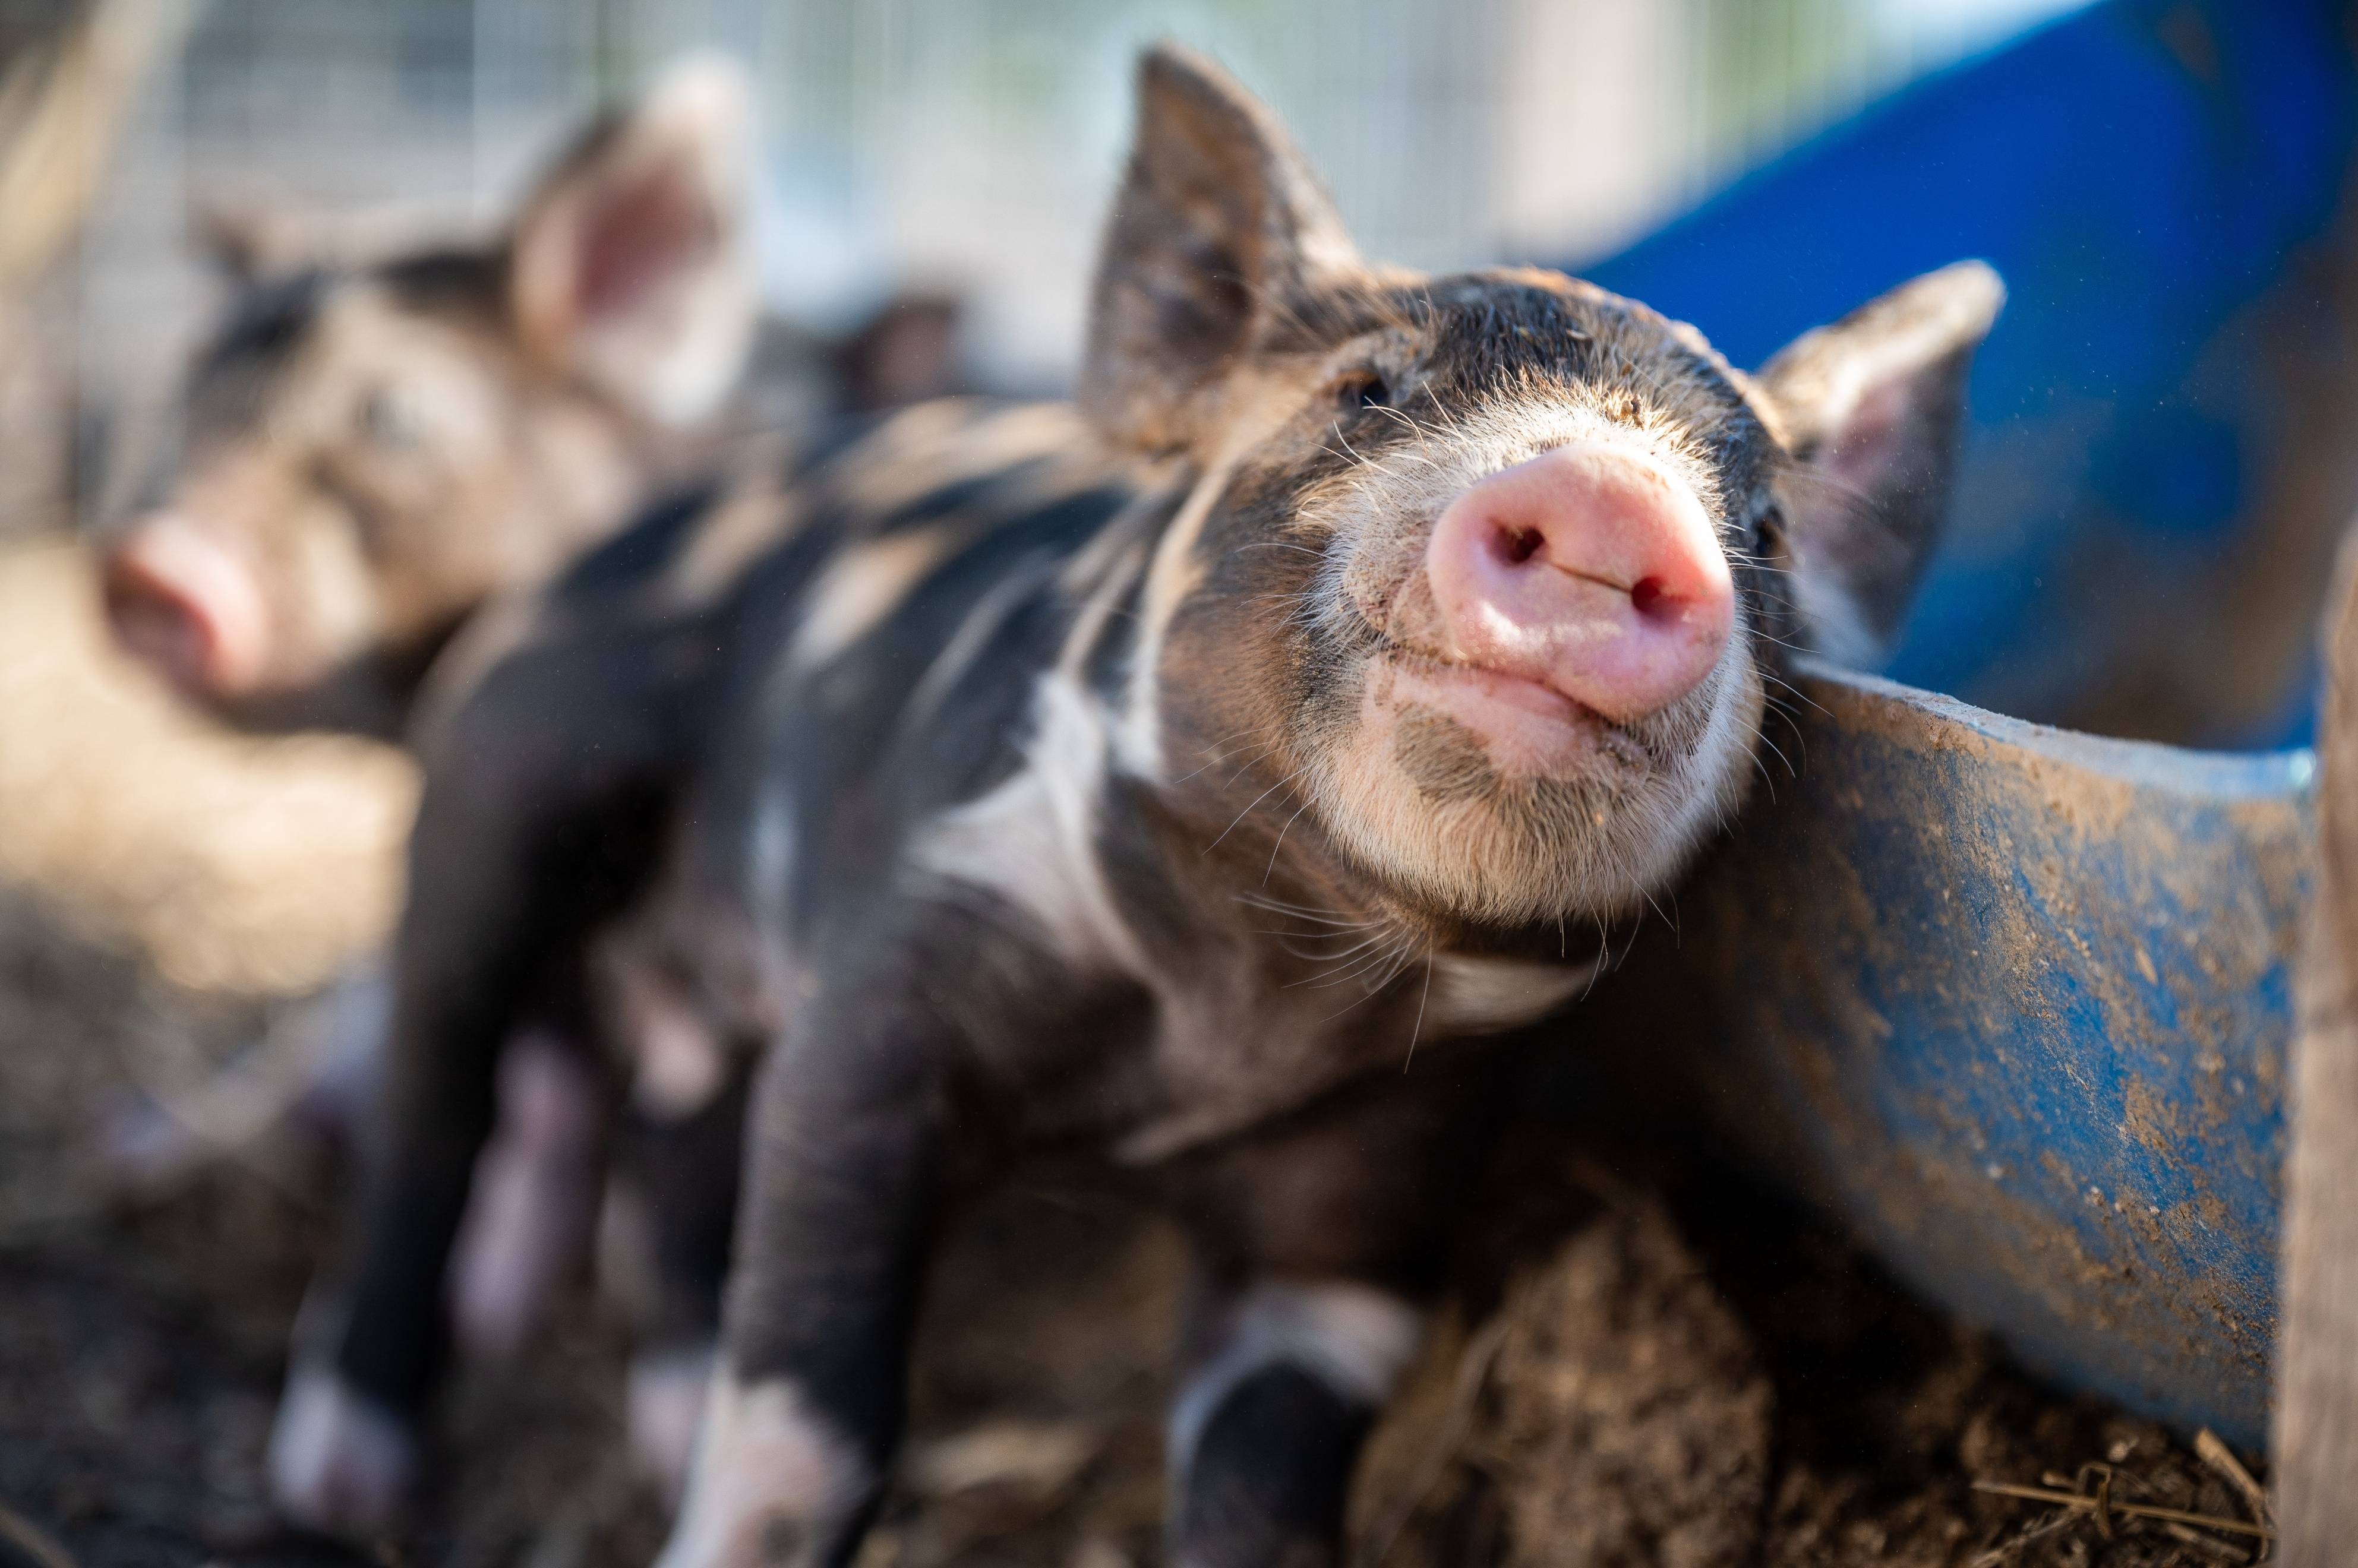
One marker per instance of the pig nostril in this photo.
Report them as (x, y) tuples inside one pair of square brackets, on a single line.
[(1518, 545), (1648, 595), (154, 624), (128, 598)]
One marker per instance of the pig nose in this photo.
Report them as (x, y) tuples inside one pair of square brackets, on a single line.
[(1589, 570), (185, 606)]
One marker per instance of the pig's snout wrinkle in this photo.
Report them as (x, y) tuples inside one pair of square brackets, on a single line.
[(1587, 570), (186, 607)]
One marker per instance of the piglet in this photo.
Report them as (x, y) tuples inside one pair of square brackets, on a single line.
[(1224, 834), (1216, 781)]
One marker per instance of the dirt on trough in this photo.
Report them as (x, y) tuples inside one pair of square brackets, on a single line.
[(1656, 1363)]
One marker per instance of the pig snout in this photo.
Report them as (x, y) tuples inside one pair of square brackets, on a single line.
[(1587, 571), (186, 606)]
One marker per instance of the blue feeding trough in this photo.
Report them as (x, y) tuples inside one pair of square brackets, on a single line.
[(2012, 1000)]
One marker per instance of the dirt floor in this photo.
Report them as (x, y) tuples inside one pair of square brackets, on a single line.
[(1679, 1371)]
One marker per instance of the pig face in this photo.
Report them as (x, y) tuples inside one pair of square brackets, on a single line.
[(1492, 570), (370, 453)]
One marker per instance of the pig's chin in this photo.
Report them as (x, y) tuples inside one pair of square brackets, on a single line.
[(1523, 729), (1497, 799), (371, 696)]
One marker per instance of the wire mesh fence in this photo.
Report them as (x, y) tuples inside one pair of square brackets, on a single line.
[(962, 145)]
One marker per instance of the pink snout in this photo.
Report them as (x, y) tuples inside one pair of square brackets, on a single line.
[(185, 606), (1586, 570)]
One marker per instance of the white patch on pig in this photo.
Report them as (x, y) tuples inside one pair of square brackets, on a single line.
[(957, 441), (862, 585), (1259, 408), (1352, 1337), (676, 1064), (752, 520), (667, 1390), (982, 623), (338, 1460), (770, 1482), (1033, 840), (1171, 577), (680, 1065), (1481, 995)]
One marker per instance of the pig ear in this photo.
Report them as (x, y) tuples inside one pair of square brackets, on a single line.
[(1872, 408), (630, 265), (1219, 225)]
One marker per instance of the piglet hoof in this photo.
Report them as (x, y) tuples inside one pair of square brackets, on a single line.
[(338, 1461), (666, 1407), (774, 1485)]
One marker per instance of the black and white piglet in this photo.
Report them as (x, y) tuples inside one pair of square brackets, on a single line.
[(1443, 635), (1200, 789)]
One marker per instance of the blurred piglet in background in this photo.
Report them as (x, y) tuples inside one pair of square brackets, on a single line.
[(966, 821), (374, 451), (377, 451)]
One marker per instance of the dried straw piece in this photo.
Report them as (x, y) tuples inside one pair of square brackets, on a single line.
[(2222, 1458), (2103, 1504), (2217, 1550)]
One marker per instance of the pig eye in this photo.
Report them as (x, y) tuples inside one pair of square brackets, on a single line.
[(1363, 389)]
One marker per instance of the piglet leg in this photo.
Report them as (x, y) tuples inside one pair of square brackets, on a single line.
[(535, 1198), (538, 821), (1286, 1381), (807, 1403), (670, 1237), (1322, 1238)]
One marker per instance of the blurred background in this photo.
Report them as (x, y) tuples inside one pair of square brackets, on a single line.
[(973, 146), (965, 149), (2162, 453), (2161, 182)]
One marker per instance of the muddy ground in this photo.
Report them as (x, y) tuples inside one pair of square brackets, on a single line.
[(1679, 1370)]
